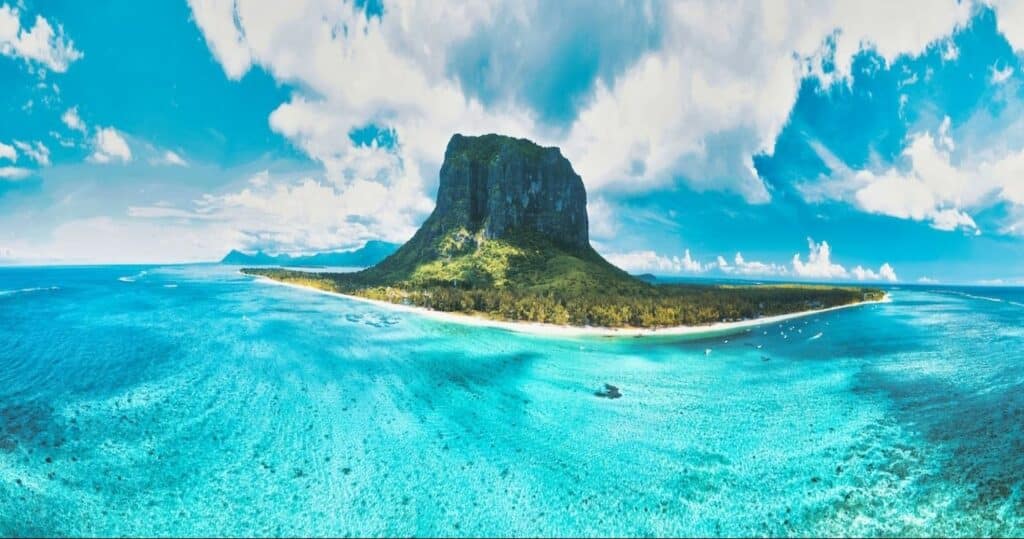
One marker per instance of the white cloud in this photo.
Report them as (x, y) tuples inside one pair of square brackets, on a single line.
[(165, 212), (927, 280), (819, 263), (35, 150), (260, 179), (14, 173), (950, 51), (741, 266), (697, 109), (126, 241), (999, 76), (298, 214), (216, 18), (169, 158), (109, 145), (8, 152), (690, 265), (1010, 21), (707, 102), (640, 261), (938, 184), (888, 273), (40, 43), (72, 120), (601, 218), (884, 273)]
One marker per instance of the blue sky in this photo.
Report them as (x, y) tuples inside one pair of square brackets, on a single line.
[(854, 141)]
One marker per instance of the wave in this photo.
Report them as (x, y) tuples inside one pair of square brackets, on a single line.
[(132, 278), (27, 290), (172, 285), (988, 298), (816, 336)]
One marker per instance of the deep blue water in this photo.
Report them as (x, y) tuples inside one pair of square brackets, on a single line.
[(192, 400)]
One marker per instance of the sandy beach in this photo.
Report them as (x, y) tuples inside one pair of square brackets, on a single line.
[(553, 330)]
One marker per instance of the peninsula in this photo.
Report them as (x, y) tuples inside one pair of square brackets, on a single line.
[(509, 240), (369, 254)]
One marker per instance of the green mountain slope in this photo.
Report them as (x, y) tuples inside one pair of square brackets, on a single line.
[(509, 239)]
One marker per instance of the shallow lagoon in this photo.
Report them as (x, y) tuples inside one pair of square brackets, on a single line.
[(191, 400)]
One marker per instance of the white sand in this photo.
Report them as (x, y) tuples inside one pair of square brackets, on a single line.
[(555, 330)]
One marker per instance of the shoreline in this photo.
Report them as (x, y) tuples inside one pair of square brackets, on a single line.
[(553, 330)]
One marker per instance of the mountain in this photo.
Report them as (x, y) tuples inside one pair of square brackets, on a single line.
[(510, 215), (509, 239), (369, 254)]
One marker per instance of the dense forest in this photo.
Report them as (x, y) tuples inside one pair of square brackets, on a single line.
[(645, 305), (508, 239)]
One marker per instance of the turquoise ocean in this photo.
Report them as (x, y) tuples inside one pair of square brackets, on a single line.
[(193, 400)]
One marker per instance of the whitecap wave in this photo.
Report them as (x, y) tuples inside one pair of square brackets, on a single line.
[(988, 298), (27, 290), (132, 278)]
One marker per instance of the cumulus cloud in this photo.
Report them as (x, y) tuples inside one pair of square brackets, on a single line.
[(8, 152), (37, 151), (224, 37), (297, 214), (639, 261), (72, 120), (932, 186), (14, 173), (819, 263), (109, 146), (601, 218), (741, 266), (41, 43), (884, 273), (999, 76), (695, 108), (1010, 21), (707, 102), (169, 157)]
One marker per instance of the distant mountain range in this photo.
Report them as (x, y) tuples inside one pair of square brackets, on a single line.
[(368, 255)]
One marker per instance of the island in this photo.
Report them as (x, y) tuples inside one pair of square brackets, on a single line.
[(369, 254), (508, 240)]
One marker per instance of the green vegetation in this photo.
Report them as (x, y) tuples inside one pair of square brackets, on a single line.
[(486, 147), (508, 239), (533, 280)]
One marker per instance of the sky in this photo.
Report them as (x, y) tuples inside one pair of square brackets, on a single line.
[(798, 140)]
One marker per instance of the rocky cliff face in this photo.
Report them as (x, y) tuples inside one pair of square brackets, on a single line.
[(510, 214), (505, 186), (497, 188)]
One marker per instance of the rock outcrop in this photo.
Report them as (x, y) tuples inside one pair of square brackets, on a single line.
[(494, 187), (505, 186)]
